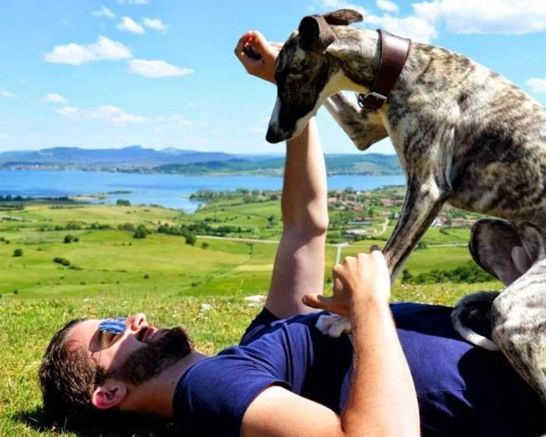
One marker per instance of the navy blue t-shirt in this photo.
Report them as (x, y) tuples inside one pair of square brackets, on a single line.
[(462, 390)]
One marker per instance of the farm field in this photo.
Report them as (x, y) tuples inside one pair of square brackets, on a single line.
[(110, 273)]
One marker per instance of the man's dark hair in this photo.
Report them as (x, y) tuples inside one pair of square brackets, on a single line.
[(68, 377)]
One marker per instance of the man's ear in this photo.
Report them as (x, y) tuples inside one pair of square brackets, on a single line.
[(315, 33), (109, 395), (343, 17)]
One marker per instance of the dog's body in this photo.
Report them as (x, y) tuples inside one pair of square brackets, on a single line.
[(463, 134)]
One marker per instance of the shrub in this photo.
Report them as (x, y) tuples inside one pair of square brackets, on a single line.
[(61, 261), (129, 227), (141, 232), (123, 202), (205, 245), (468, 273), (68, 239), (17, 253), (406, 276), (191, 239)]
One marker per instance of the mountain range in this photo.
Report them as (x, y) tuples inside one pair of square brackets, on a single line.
[(128, 157), (190, 162)]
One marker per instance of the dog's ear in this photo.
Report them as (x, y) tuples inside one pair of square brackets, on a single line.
[(492, 242), (315, 33), (343, 17)]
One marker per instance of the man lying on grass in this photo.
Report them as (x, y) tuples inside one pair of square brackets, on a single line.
[(285, 378)]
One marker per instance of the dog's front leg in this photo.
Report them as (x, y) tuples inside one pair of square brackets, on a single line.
[(364, 127), (518, 321), (423, 202)]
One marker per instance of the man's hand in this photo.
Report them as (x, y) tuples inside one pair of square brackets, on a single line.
[(357, 280), (257, 55)]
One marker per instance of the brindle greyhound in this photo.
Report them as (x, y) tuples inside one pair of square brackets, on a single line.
[(463, 134)]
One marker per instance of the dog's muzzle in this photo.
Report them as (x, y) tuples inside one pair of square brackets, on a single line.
[(274, 135)]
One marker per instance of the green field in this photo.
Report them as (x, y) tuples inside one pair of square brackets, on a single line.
[(112, 273)]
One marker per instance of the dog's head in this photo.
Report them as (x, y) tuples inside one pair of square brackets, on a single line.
[(304, 72)]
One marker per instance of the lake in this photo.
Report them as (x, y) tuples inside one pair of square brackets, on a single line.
[(171, 191)]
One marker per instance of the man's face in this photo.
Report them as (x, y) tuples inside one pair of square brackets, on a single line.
[(139, 353)]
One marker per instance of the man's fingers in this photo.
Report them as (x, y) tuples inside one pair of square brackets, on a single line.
[(338, 284), (260, 43), (318, 301), (239, 48)]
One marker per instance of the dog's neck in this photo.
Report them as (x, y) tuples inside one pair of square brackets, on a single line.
[(359, 54)]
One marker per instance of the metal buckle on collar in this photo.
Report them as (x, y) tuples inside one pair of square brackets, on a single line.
[(371, 100)]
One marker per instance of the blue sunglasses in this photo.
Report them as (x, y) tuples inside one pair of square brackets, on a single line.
[(113, 326)]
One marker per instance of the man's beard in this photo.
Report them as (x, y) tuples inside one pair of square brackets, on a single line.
[(151, 360)]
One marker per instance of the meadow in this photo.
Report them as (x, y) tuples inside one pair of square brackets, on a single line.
[(202, 286)]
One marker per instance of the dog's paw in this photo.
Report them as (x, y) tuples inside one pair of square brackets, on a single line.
[(333, 325)]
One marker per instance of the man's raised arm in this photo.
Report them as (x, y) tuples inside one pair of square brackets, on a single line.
[(299, 264)]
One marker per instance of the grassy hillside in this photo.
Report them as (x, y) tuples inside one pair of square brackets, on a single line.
[(112, 273)]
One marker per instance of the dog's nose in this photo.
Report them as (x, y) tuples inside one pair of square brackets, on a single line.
[(273, 135)]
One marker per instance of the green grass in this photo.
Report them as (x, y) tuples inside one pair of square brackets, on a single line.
[(115, 274)]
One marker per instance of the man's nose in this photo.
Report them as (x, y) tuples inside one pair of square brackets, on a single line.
[(137, 322)]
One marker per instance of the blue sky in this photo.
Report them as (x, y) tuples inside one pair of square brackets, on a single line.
[(161, 73)]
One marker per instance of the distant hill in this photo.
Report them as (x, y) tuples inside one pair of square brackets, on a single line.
[(370, 164), (188, 162), (127, 157)]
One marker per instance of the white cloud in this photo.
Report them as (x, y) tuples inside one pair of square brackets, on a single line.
[(111, 114), (415, 27), (129, 25), (9, 122), (114, 115), (172, 121), (70, 112), (53, 98), (8, 95), (332, 5), (180, 121), (256, 130), (486, 16), (155, 69), (155, 23), (74, 54), (537, 85), (193, 141), (134, 2), (4, 135), (387, 5), (104, 12)]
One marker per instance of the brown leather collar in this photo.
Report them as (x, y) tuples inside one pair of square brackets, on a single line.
[(394, 54)]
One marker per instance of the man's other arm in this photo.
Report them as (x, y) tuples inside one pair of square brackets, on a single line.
[(382, 400)]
